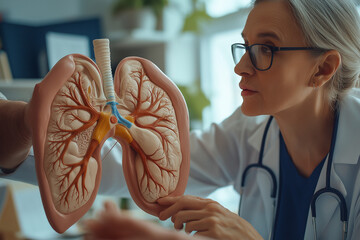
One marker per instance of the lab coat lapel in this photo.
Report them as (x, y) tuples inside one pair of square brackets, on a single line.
[(346, 152), (348, 136), (271, 160)]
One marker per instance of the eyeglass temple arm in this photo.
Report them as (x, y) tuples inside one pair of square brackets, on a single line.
[(293, 48)]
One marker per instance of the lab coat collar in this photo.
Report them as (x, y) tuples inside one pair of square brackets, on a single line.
[(346, 152), (346, 147), (270, 159), (348, 136), (272, 146)]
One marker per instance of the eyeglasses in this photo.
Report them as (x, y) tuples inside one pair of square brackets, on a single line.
[(262, 55)]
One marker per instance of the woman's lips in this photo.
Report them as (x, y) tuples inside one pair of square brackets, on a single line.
[(246, 91)]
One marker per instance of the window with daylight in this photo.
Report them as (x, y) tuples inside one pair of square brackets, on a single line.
[(217, 8), (218, 80)]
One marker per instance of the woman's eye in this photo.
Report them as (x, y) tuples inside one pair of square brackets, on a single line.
[(265, 50)]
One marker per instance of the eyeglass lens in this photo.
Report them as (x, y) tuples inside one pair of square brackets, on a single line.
[(260, 55)]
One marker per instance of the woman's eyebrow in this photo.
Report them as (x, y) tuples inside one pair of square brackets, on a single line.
[(269, 35), (264, 35)]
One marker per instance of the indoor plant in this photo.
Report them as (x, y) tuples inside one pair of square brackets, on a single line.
[(140, 9)]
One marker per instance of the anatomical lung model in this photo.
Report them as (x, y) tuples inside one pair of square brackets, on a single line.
[(75, 109)]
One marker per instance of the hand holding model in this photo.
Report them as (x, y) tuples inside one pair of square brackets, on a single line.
[(207, 217), (15, 134)]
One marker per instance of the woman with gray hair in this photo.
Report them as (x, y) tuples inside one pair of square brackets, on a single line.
[(297, 169)]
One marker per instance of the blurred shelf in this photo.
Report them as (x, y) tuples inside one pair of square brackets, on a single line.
[(137, 38), (18, 89)]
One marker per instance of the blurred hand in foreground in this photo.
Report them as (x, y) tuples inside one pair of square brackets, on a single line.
[(111, 223)]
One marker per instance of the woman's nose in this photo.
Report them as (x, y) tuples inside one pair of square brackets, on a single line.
[(244, 67)]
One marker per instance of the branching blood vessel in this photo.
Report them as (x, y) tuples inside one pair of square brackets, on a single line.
[(154, 106), (78, 108), (60, 145)]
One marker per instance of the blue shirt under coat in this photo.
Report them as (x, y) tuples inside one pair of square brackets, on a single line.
[(295, 195)]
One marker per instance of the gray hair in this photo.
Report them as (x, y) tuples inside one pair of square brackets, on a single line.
[(332, 24)]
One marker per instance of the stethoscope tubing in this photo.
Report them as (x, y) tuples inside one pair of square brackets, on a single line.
[(267, 170), (259, 164), (326, 189)]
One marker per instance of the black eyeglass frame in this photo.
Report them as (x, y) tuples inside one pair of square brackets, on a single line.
[(272, 48)]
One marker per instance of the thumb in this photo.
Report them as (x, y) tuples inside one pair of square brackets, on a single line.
[(167, 200)]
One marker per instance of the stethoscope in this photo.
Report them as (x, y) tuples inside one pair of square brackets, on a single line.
[(326, 189)]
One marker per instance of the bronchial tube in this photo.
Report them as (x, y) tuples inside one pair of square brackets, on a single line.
[(102, 127), (102, 56), (123, 133)]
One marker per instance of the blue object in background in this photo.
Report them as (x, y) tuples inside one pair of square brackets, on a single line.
[(25, 44)]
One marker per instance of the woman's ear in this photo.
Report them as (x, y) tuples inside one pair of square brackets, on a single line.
[(329, 62)]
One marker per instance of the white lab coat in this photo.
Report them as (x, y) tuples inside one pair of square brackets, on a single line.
[(220, 155)]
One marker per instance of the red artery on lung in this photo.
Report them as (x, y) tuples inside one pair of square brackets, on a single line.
[(71, 120)]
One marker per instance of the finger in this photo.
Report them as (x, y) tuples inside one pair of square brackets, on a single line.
[(172, 200), (168, 200), (110, 206), (186, 216), (61, 71), (109, 210), (198, 226), (183, 203)]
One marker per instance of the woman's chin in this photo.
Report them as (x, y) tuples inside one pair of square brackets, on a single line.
[(250, 110)]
